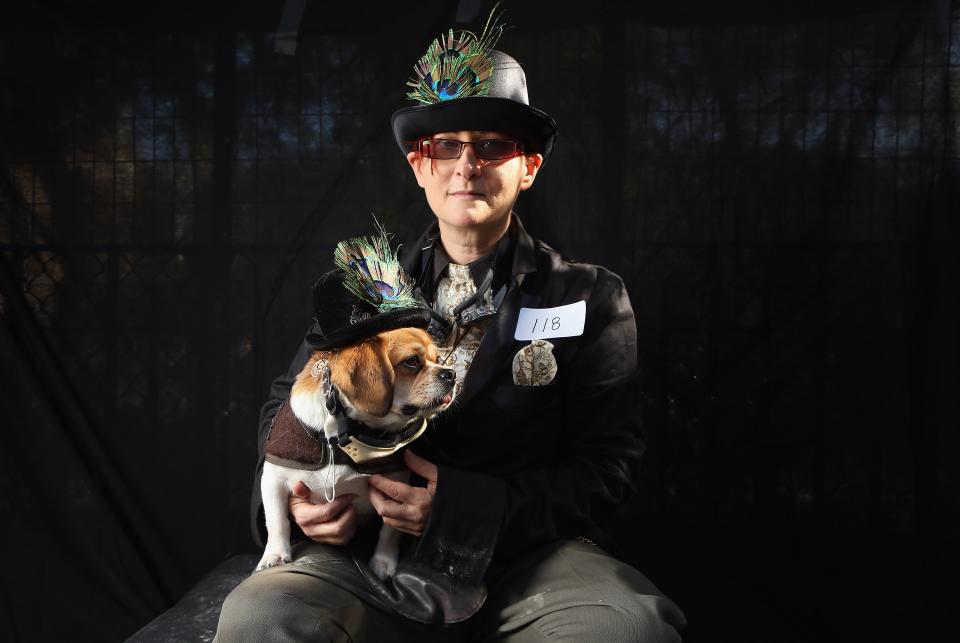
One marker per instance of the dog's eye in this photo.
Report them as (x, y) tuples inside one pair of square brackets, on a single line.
[(412, 362)]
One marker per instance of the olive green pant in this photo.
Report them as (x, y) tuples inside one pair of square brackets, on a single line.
[(567, 591)]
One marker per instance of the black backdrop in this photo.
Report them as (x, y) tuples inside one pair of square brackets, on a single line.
[(776, 183)]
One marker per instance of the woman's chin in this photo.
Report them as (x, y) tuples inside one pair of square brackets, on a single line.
[(469, 217)]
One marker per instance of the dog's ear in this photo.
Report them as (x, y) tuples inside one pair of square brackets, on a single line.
[(364, 375)]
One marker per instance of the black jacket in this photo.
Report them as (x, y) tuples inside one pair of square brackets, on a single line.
[(520, 466)]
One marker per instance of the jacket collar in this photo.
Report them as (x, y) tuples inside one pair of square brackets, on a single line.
[(418, 259)]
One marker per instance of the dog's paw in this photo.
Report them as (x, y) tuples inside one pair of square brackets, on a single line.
[(273, 560), (382, 566)]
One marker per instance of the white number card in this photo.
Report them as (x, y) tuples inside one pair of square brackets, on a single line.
[(544, 323)]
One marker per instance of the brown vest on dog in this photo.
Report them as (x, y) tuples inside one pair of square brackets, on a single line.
[(291, 444)]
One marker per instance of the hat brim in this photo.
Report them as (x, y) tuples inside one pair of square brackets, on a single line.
[(535, 127), (379, 323)]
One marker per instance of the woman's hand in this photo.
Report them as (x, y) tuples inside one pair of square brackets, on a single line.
[(401, 506), (333, 523)]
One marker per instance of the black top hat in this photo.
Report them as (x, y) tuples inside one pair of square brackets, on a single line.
[(368, 294), (462, 83), (344, 319)]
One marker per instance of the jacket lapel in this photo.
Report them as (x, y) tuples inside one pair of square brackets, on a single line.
[(415, 259)]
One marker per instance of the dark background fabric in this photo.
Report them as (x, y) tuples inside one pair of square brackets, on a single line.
[(776, 182)]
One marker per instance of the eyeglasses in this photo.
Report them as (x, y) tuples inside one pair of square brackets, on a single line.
[(491, 149)]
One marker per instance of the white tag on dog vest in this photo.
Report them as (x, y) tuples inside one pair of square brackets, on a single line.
[(544, 323)]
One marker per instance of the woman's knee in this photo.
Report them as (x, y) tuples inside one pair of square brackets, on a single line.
[(643, 619), (252, 609), (276, 607), (654, 619)]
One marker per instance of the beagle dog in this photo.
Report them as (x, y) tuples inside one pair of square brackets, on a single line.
[(351, 410)]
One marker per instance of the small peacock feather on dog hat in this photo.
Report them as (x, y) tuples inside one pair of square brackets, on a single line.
[(373, 273), (366, 294)]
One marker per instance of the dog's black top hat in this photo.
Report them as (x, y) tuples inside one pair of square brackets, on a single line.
[(367, 294), (463, 83)]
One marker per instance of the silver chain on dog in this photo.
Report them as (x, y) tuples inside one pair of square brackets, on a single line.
[(321, 370)]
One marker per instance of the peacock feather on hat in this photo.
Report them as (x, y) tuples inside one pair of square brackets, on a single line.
[(373, 273), (457, 65)]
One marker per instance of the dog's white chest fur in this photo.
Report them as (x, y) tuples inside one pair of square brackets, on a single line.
[(325, 484)]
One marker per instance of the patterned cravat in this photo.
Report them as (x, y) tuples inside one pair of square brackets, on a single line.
[(460, 345), (454, 288)]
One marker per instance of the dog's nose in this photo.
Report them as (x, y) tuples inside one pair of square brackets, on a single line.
[(447, 375)]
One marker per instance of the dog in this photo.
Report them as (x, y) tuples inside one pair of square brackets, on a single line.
[(390, 384)]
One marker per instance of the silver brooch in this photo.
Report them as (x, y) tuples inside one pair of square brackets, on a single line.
[(534, 364)]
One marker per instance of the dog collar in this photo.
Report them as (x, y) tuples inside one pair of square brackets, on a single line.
[(349, 431), (362, 452)]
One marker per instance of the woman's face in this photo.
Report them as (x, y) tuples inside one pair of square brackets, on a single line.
[(471, 193)]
